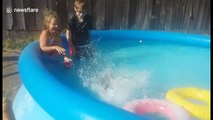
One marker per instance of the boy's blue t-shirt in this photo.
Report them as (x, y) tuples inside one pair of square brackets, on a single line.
[(80, 30)]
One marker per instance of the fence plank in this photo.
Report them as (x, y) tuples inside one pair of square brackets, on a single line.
[(124, 14), (51, 4), (178, 19), (182, 15), (207, 23), (99, 14), (70, 8), (186, 21), (109, 5), (19, 16), (62, 12), (30, 18), (205, 14), (193, 16), (41, 5), (116, 14), (132, 14), (7, 15), (158, 15), (175, 8), (148, 14), (167, 12), (200, 14), (143, 14)]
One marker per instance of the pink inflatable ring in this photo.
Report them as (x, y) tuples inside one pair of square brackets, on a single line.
[(164, 107)]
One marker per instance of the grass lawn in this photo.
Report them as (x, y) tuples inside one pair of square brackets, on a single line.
[(17, 44)]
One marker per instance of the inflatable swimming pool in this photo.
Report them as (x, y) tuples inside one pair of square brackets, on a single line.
[(45, 94)]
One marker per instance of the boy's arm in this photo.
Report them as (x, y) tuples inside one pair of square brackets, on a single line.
[(69, 40), (68, 35), (68, 31)]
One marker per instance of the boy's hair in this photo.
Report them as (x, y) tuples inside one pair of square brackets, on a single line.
[(80, 4), (48, 15)]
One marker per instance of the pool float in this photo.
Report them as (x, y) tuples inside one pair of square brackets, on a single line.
[(182, 97), (164, 107)]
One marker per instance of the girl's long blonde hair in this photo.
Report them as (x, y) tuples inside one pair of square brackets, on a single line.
[(48, 15)]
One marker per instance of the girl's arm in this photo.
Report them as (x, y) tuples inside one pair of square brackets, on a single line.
[(43, 42)]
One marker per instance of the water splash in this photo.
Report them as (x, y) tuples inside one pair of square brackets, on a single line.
[(114, 85)]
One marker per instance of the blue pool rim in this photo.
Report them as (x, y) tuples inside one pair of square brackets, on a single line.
[(62, 102)]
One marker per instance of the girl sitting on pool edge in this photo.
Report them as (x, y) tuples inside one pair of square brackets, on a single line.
[(49, 40)]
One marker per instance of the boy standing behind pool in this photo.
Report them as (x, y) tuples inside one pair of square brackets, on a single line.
[(78, 28)]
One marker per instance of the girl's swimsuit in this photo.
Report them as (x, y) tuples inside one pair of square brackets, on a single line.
[(53, 56)]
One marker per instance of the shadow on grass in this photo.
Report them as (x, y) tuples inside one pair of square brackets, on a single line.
[(10, 65), (10, 74), (10, 58)]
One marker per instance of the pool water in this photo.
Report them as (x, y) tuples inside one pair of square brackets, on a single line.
[(131, 69), (122, 71)]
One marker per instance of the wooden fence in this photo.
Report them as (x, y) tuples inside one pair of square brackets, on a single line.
[(177, 15)]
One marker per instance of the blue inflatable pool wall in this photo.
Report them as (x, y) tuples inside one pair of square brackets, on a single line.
[(61, 102)]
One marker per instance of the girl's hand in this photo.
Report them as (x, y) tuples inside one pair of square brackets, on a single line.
[(60, 50), (67, 60)]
